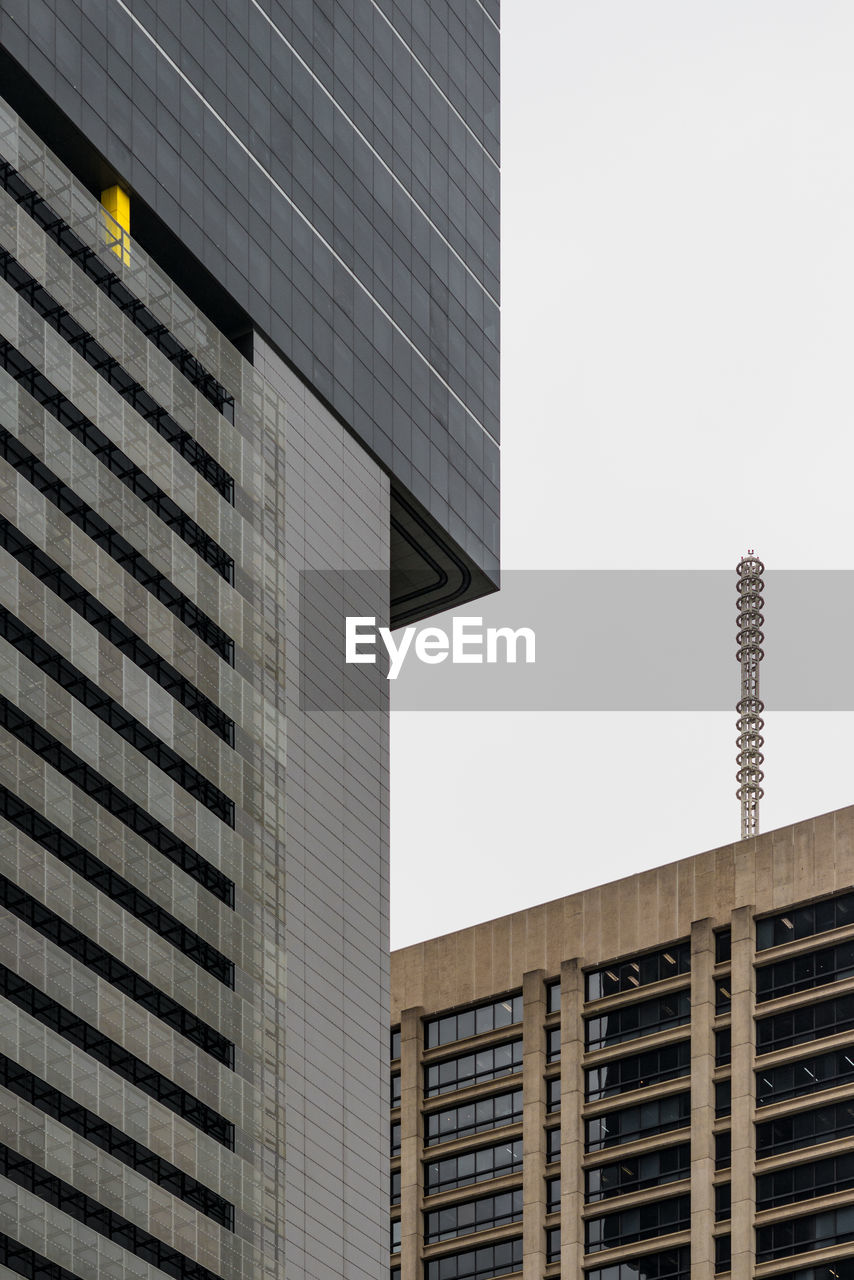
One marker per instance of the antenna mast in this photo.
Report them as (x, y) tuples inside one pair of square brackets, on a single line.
[(749, 621)]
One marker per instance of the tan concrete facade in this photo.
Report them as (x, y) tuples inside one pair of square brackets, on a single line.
[(704, 909)]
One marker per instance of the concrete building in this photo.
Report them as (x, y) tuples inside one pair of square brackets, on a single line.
[(266, 403), (650, 1080)]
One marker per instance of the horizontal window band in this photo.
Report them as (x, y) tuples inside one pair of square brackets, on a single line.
[(132, 391), (104, 1050), (82, 775), (65, 1197), (115, 887), (100, 1133), (28, 376), (73, 681), (105, 536), (40, 565), (116, 290), (26, 1262), (95, 957)]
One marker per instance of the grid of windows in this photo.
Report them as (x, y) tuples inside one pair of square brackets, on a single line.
[(807, 1075), (805, 1129), (82, 1208), (632, 1123), (805, 1181), (477, 1264), (838, 1269), (635, 1173), (472, 1068), (638, 1071), (803, 972), (803, 1235), (473, 1166), (473, 1215), (811, 1022), (805, 922), (643, 1222), (473, 1117), (671, 1264), (628, 975), (472, 1022), (639, 1019)]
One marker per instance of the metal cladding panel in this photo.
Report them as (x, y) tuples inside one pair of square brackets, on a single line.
[(333, 167)]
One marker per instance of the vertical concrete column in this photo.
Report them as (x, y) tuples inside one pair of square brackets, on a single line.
[(571, 1123), (702, 1100), (743, 1093), (533, 1114), (411, 1141)]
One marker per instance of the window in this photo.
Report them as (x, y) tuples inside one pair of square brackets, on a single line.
[(805, 1129), (473, 1117), (472, 1068), (633, 1123), (723, 1098), (723, 1202), (395, 1186), (801, 973), (723, 1047), (812, 1022), (394, 1245), (807, 1075), (723, 946), (723, 995), (553, 1094), (472, 1022), (653, 1169), (473, 1166), (395, 1138), (839, 1269), (553, 996), (639, 1019), (803, 1235), (553, 1044), (672, 1264), (640, 1223), (553, 1144), (395, 1043), (638, 1071), (804, 922), (395, 1089), (723, 1149), (723, 1253), (552, 1244), (473, 1215), (552, 1195), (805, 1181), (628, 975), (477, 1264)]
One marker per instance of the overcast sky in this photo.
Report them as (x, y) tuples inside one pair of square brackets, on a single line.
[(678, 348)]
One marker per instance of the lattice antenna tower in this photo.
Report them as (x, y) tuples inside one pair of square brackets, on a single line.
[(750, 706)]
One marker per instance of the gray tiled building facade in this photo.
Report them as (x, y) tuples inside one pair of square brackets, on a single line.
[(202, 470)]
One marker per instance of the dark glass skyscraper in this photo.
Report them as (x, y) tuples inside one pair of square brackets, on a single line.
[(272, 404)]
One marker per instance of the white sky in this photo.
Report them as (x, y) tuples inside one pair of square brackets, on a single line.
[(678, 348)]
